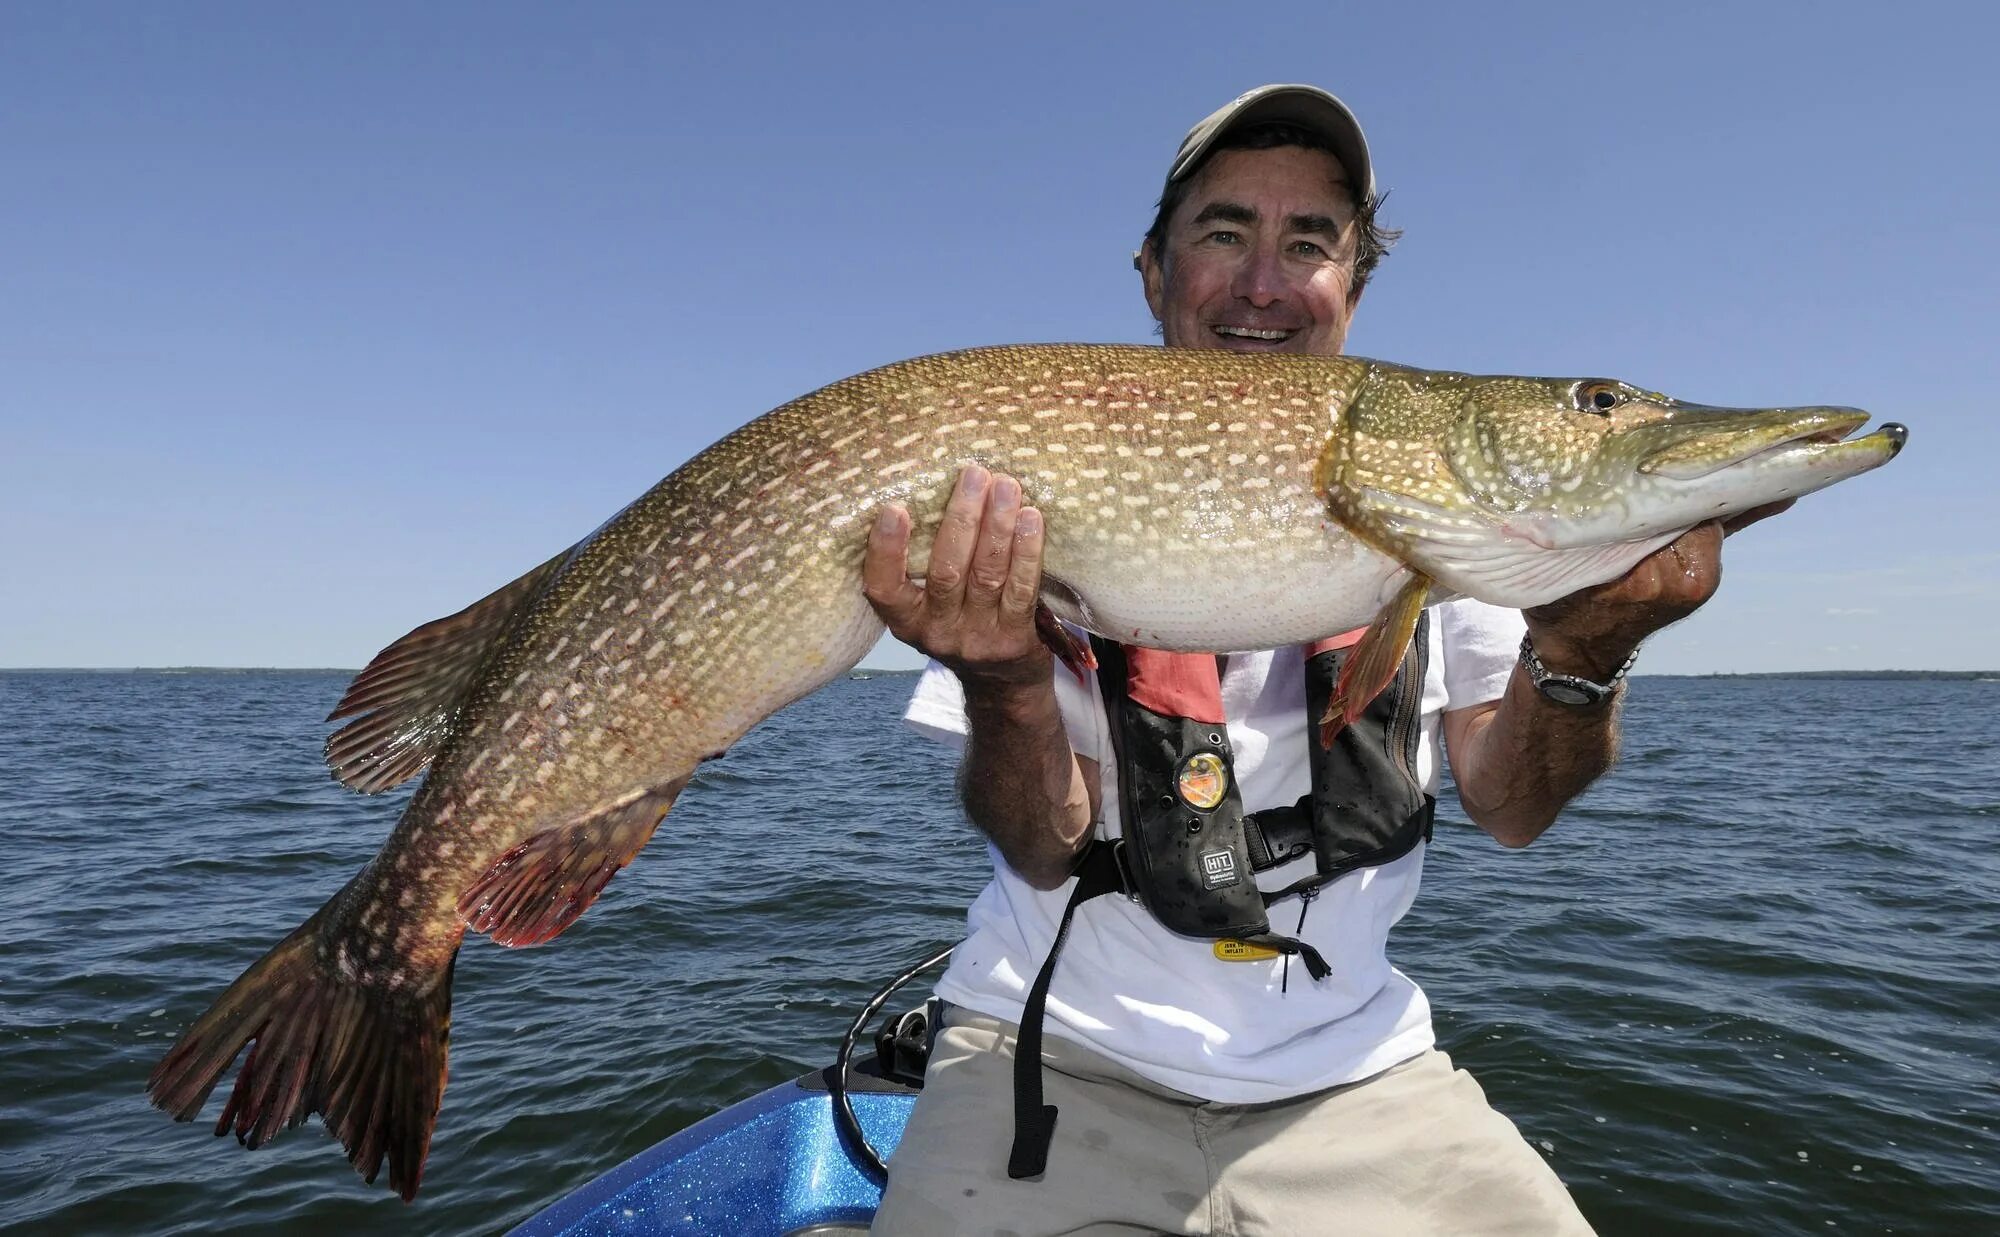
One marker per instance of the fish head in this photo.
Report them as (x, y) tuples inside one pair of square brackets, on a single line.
[(1521, 490)]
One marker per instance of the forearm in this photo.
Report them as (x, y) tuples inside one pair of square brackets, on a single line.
[(1520, 763), (1020, 783)]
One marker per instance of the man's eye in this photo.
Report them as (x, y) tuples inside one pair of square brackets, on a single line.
[(1224, 237), (1307, 249)]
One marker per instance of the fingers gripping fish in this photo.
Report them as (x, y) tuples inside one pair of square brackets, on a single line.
[(1192, 500)]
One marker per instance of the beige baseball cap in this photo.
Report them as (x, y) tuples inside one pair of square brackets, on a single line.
[(1308, 107)]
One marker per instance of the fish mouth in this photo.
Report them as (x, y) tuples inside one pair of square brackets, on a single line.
[(1812, 436)]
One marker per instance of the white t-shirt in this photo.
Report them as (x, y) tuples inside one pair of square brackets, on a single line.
[(1164, 1005)]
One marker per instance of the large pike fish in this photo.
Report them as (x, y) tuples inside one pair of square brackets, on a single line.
[(1192, 500)]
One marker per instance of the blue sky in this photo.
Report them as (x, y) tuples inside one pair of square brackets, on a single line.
[(318, 325)]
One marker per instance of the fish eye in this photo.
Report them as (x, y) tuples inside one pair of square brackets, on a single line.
[(1598, 396)]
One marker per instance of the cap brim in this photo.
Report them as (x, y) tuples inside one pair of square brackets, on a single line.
[(1308, 107)]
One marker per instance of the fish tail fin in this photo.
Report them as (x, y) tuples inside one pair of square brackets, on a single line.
[(371, 1061)]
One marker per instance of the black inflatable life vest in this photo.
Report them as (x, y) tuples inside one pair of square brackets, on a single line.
[(1187, 849)]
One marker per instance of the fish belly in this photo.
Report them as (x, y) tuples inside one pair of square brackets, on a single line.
[(1290, 589)]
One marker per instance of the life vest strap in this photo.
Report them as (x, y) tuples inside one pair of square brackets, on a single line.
[(1098, 873), (1278, 835)]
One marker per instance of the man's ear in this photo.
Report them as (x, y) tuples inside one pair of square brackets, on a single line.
[(1150, 274)]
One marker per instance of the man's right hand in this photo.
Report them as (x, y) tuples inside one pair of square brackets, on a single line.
[(975, 613), (976, 609)]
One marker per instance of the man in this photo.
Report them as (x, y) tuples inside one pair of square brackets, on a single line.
[(1205, 1086)]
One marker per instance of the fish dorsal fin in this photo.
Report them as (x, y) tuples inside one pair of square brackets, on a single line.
[(538, 888), (406, 696), (1372, 666)]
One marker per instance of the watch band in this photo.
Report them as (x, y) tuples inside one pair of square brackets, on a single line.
[(1570, 689)]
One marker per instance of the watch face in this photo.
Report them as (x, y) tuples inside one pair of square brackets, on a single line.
[(1566, 691)]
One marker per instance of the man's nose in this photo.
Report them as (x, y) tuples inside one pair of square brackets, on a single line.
[(1260, 279)]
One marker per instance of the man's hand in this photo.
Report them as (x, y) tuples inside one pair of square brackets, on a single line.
[(1021, 784), (1592, 631), (976, 610), (1517, 760)]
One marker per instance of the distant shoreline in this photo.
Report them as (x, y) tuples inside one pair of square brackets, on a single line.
[(1837, 674), (873, 672)]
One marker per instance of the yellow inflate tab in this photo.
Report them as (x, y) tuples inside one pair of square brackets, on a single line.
[(1238, 951)]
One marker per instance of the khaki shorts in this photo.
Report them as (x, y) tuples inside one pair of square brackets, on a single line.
[(1414, 1149)]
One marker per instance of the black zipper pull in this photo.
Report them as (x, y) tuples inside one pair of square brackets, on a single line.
[(1306, 897)]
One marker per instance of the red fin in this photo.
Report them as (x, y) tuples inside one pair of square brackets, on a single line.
[(1069, 650), (407, 694), (1372, 666), (537, 889), (371, 1061)]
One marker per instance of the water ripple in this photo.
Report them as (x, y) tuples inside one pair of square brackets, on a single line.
[(1747, 985)]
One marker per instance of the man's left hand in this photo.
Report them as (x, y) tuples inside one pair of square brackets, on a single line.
[(1592, 631)]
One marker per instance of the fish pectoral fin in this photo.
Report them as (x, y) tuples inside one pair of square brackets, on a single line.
[(540, 887), (1061, 641), (405, 696), (1372, 666)]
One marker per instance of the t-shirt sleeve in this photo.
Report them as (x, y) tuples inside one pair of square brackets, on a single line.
[(937, 707), (1481, 644), (937, 710)]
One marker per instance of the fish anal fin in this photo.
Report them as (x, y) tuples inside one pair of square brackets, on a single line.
[(1372, 665), (1061, 641), (406, 696), (540, 887)]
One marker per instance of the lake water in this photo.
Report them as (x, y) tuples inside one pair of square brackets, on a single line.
[(1749, 984)]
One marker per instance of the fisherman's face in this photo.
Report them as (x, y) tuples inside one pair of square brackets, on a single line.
[(1259, 256)]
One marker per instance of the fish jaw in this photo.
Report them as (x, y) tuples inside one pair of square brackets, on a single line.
[(1706, 464), (1524, 491)]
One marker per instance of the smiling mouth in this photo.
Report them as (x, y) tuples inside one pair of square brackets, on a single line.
[(1254, 335)]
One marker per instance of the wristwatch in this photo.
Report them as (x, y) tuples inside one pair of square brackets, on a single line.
[(1568, 688)]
